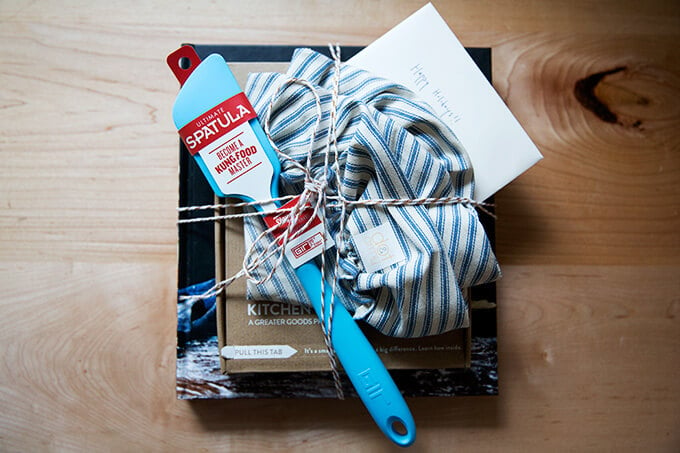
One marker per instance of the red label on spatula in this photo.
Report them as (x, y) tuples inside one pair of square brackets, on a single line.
[(216, 122)]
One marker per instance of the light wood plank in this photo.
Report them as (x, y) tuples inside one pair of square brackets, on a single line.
[(582, 351), (608, 190), (588, 239)]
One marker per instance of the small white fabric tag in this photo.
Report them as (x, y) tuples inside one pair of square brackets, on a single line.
[(378, 248)]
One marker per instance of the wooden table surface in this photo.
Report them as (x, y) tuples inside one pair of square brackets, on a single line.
[(589, 306)]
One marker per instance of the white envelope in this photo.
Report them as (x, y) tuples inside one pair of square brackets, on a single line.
[(423, 54)]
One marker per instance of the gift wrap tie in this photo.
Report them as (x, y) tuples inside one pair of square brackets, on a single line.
[(388, 145)]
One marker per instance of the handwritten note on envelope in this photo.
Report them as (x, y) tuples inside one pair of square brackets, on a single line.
[(423, 54)]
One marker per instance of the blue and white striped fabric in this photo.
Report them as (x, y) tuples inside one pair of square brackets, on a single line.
[(391, 146)]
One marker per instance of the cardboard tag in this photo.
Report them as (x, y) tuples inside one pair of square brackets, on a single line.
[(304, 245), (379, 248)]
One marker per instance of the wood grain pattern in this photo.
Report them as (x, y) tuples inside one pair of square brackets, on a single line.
[(607, 184), (588, 309)]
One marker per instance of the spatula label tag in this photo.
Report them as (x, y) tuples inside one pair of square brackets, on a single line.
[(227, 145), (216, 122), (304, 245)]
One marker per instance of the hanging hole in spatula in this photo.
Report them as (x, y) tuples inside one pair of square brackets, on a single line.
[(182, 62), (398, 427), (400, 432)]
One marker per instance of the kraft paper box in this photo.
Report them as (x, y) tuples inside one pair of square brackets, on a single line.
[(264, 336)]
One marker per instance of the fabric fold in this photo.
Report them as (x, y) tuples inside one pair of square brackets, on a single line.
[(391, 146)]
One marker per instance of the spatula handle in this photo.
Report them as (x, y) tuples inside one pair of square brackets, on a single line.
[(370, 378)]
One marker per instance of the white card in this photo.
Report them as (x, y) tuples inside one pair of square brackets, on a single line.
[(423, 54)]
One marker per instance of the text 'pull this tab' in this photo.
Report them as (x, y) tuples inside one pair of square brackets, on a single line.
[(252, 352)]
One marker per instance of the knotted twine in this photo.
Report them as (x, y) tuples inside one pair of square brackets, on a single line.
[(363, 151)]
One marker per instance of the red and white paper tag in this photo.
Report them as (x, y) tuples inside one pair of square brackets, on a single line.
[(304, 245)]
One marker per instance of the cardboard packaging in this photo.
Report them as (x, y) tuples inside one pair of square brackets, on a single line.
[(263, 336)]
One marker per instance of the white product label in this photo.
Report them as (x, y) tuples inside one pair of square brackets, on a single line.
[(307, 246), (379, 248), (238, 163)]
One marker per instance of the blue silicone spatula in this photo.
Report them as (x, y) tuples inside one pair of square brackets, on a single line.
[(209, 83)]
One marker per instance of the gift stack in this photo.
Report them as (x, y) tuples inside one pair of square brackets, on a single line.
[(416, 143)]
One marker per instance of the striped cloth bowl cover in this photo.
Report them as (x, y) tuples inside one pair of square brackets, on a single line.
[(391, 146)]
